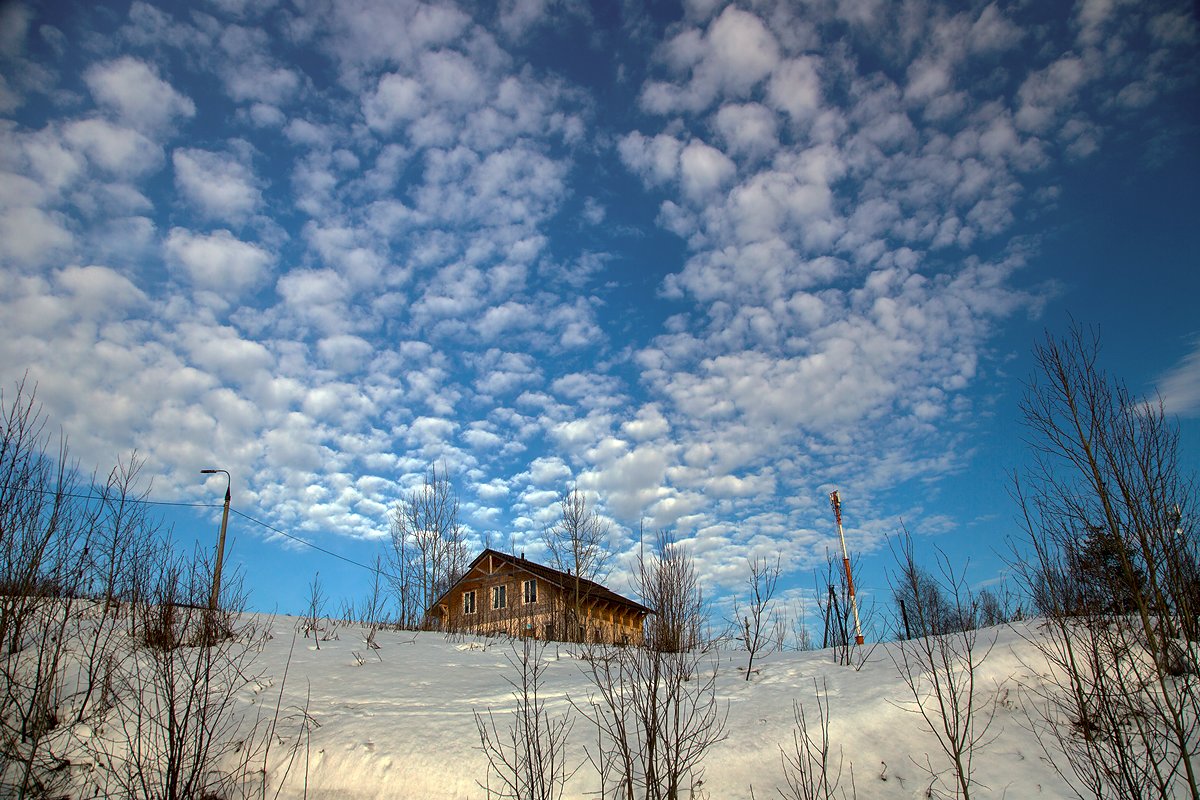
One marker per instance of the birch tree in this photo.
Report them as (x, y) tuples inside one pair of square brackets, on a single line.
[(428, 546)]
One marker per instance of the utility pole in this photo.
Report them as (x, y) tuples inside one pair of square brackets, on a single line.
[(836, 502), (216, 589)]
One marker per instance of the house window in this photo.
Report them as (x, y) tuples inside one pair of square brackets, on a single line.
[(499, 596), (529, 589), (469, 602)]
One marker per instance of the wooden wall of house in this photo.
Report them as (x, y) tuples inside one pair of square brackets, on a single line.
[(547, 618)]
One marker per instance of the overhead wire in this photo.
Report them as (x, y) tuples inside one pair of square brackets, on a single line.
[(294, 538), (100, 496), (247, 517)]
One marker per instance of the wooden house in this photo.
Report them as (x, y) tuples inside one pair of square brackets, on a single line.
[(507, 594)]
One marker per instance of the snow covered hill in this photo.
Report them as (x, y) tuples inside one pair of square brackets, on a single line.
[(399, 722)]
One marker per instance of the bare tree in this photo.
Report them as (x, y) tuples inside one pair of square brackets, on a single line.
[(654, 708), (175, 726), (989, 611), (579, 546), (372, 612), (834, 608), (124, 533), (122, 529), (797, 635), (939, 664), (159, 695), (810, 771), (924, 607), (44, 533), (1111, 557), (837, 615), (656, 716), (314, 610), (429, 550), (527, 759), (669, 586), (756, 621)]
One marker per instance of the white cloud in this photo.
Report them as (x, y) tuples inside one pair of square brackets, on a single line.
[(220, 186), (478, 437), (261, 83), (629, 479), (503, 319), (795, 87), (518, 17), (99, 292), (9, 99), (502, 373), (264, 115), (747, 128), (733, 55), (218, 261), (127, 237), (249, 72), (396, 99), (574, 324), (811, 319), (1049, 93), (19, 190), (1180, 386), (50, 161), (548, 472), (316, 297), (345, 352), (580, 433), (302, 131), (226, 353), (431, 431), (495, 491), (291, 448), (593, 211), (133, 89), (119, 150), (1091, 16), (32, 236), (451, 79), (827, 300), (648, 423), (992, 32), (735, 486), (14, 25), (368, 33), (703, 170), (655, 159), (349, 250), (507, 192)]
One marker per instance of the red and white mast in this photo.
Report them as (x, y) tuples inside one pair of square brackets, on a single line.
[(836, 502)]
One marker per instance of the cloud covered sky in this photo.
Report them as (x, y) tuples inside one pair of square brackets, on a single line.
[(707, 261)]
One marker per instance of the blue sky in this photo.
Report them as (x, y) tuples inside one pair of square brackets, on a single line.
[(707, 261)]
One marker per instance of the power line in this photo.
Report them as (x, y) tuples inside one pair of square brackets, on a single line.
[(146, 501), (101, 496), (310, 544)]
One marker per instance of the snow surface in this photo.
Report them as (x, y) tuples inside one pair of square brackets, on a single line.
[(401, 724)]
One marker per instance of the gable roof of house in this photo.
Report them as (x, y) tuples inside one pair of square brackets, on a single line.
[(563, 580)]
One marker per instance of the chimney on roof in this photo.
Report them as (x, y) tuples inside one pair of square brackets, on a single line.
[(522, 555)]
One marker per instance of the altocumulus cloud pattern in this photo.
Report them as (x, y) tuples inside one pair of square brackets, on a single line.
[(706, 263)]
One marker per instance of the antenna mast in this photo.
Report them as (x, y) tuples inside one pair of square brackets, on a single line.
[(836, 502)]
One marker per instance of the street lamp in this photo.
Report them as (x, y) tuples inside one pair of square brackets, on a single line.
[(216, 590)]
